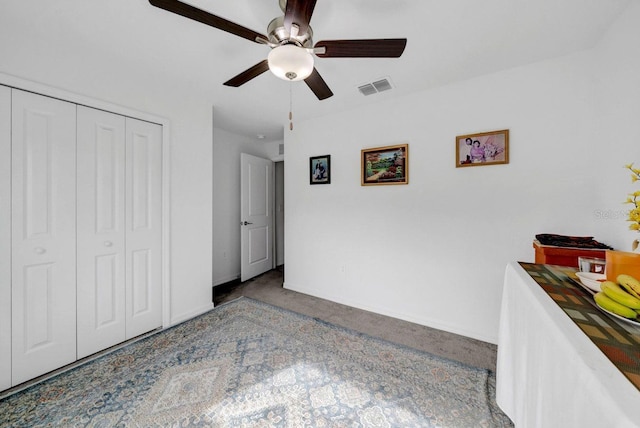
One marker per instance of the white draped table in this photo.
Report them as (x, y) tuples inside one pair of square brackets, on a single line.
[(550, 373)]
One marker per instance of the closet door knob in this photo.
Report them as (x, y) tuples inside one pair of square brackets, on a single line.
[(108, 243), (40, 250)]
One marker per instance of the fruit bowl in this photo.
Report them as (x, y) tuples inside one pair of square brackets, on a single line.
[(591, 280)]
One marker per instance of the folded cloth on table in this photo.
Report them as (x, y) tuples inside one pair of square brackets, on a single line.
[(571, 241)]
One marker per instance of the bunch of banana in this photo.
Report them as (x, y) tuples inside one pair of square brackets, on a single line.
[(621, 298)]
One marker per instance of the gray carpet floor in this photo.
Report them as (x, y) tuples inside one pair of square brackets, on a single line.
[(268, 288)]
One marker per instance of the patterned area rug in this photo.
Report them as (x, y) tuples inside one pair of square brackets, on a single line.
[(250, 364)]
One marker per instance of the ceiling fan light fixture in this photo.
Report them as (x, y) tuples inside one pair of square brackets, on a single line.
[(290, 62)]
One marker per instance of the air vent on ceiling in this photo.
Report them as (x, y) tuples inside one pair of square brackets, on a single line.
[(367, 89), (379, 85), (382, 85)]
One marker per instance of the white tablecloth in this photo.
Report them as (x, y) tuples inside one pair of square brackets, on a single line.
[(549, 373)]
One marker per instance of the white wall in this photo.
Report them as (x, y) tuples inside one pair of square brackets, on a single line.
[(434, 251), (81, 70), (226, 196), (618, 127)]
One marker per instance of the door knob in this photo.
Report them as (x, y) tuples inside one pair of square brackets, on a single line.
[(40, 250), (244, 223)]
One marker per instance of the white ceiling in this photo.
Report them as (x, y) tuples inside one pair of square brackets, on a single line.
[(448, 40)]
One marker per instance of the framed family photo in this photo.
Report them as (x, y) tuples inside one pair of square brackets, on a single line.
[(320, 169), (385, 165), (486, 148)]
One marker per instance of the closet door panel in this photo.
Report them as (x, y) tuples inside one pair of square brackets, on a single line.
[(5, 238), (101, 231), (144, 217), (43, 235)]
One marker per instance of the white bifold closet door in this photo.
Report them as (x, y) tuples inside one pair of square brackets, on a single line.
[(119, 229), (101, 230), (143, 217), (5, 237), (43, 235)]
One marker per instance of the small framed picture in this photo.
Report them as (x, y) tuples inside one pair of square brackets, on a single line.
[(385, 165), (486, 148), (320, 169)]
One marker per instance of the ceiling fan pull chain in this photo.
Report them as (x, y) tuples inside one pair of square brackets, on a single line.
[(290, 106)]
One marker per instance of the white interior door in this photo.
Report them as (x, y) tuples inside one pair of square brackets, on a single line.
[(101, 231), (143, 227), (43, 234), (256, 215), (5, 237)]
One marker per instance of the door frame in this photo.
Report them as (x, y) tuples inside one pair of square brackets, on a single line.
[(245, 159), (30, 86), (278, 230)]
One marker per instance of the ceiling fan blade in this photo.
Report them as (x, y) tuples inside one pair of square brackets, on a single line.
[(365, 48), (248, 74), (207, 18), (316, 83), (299, 12)]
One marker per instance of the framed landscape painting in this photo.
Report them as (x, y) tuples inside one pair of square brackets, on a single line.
[(486, 148), (320, 169), (385, 165)]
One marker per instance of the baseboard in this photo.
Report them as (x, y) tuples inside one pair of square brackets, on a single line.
[(427, 322)]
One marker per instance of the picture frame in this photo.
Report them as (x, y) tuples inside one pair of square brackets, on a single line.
[(386, 165), (320, 169), (481, 149)]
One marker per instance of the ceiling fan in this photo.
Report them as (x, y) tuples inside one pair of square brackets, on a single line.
[(291, 40)]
